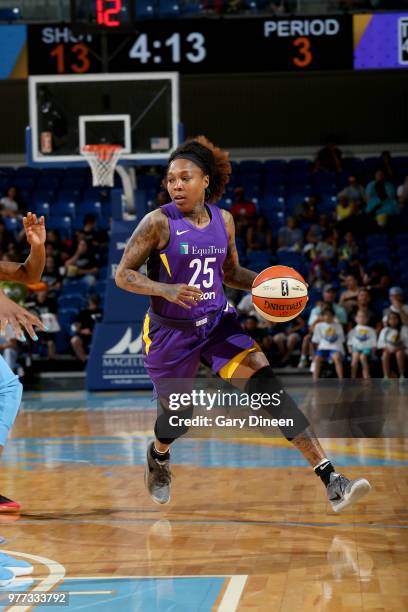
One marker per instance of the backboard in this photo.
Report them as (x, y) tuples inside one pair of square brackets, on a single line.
[(140, 112)]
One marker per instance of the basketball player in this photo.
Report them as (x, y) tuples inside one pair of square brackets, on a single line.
[(10, 387), (18, 318), (189, 246)]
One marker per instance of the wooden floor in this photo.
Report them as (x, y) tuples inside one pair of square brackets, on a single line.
[(248, 527)]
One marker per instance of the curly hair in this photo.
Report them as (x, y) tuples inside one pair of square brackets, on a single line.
[(213, 159)]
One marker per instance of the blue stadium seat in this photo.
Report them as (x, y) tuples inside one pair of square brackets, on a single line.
[(71, 301), (273, 188), (69, 195), (45, 195), (402, 239), (275, 203), (315, 295), (293, 200), (99, 288), (258, 260), (24, 182), (41, 208), (14, 226), (145, 9), (63, 209), (276, 220), (376, 240), (48, 183), (168, 8), (75, 287), (250, 166), (191, 7), (299, 164), (62, 224), (85, 208)]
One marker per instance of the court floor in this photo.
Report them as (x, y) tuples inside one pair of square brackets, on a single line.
[(248, 527)]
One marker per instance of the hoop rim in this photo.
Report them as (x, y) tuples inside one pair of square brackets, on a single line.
[(101, 149)]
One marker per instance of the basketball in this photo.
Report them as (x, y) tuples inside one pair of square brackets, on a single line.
[(279, 293)]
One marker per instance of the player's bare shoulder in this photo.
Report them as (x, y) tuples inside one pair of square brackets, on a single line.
[(152, 231), (228, 220), (160, 222)]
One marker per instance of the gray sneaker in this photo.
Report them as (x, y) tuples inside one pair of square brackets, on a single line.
[(157, 478), (342, 492)]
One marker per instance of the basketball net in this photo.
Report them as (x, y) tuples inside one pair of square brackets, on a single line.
[(102, 159)]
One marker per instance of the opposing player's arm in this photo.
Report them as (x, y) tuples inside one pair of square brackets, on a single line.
[(30, 271), (235, 275), (151, 234)]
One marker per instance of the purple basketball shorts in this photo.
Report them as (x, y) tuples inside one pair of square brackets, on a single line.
[(176, 353)]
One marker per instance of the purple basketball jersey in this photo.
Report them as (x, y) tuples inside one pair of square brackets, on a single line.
[(192, 256)]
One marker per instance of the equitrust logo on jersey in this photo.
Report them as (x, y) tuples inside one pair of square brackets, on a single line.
[(184, 248)]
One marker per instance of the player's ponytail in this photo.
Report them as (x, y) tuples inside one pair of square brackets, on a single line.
[(211, 159)]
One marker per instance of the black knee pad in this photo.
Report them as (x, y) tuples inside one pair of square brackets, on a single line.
[(265, 381), (166, 433)]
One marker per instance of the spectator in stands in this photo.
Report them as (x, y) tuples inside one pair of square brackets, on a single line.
[(316, 316), (402, 193), (362, 344), (346, 215), (371, 193), (94, 237), (345, 208), (57, 248), (348, 249), (45, 306), (290, 238), (287, 338), (243, 208), (378, 280), (382, 206), (363, 305), (82, 264), (83, 328), (393, 341), (348, 297), (246, 307), (328, 340), (51, 275), (329, 158), (354, 192), (324, 252), (8, 205), (306, 212), (259, 236), (386, 165), (397, 306), (252, 328)]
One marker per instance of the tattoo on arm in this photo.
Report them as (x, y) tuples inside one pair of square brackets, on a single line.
[(235, 275), (145, 239)]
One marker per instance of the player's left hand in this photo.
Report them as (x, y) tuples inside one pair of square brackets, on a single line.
[(34, 229)]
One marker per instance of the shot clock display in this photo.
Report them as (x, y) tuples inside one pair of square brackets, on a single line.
[(197, 46)]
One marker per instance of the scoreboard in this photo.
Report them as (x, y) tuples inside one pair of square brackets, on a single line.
[(194, 46), (107, 40)]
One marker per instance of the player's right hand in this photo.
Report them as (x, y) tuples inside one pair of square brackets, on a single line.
[(182, 295), (18, 317)]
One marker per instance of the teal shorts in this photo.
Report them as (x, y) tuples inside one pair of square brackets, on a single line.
[(366, 351)]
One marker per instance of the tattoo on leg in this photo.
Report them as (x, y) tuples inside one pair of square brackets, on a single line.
[(309, 446)]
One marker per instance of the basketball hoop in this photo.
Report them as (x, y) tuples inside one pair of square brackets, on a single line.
[(102, 159)]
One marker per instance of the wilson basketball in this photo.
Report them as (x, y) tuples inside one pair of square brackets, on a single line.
[(279, 293)]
